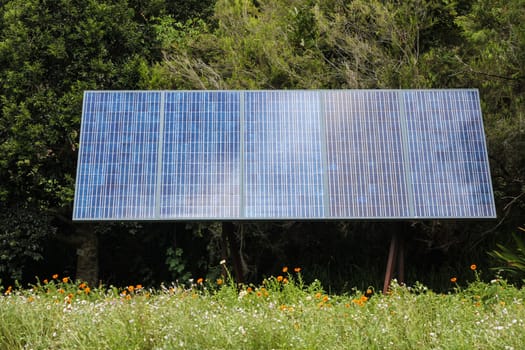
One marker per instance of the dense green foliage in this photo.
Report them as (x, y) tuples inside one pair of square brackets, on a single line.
[(51, 51)]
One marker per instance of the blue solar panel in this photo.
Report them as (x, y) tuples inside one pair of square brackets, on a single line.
[(283, 165), (200, 155), (321, 154)]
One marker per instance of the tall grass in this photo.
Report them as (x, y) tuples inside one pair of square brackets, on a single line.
[(280, 313)]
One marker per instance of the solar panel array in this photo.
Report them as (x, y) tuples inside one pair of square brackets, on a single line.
[(282, 155)]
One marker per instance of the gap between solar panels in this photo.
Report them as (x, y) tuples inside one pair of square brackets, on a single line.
[(282, 155)]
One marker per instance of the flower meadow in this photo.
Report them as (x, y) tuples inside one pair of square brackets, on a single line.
[(281, 312)]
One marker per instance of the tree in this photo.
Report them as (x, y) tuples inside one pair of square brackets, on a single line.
[(50, 51)]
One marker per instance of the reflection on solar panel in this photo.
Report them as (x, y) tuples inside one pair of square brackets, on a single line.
[(248, 155)]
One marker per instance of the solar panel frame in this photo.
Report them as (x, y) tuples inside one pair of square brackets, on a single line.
[(323, 185)]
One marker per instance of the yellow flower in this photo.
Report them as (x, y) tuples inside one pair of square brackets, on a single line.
[(297, 269), (453, 279), (473, 267), (285, 269), (279, 278)]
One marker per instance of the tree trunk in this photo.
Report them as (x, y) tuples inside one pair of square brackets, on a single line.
[(87, 255)]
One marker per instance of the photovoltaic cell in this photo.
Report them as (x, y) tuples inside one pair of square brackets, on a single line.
[(366, 174), (200, 155), (282, 155), (321, 154), (118, 157)]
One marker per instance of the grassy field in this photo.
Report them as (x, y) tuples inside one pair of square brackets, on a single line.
[(280, 313)]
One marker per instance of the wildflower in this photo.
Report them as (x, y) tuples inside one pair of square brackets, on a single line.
[(222, 262), (131, 289), (219, 281), (138, 286), (61, 291), (453, 279), (45, 281), (285, 269), (285, 280), (87, 290), (8, 291), (297, 269), (82, 285), (279, 278), (325, 298), (249, 289), (30, 299), (369, 291), (55, 276), (473, 267), (318, 295), (65, 279), (200, 280), (128, 297)]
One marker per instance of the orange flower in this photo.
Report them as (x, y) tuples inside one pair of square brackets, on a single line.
[(45, 281), (55, 276), (219, 281), (138, 286), (65, 279), (249, 289), (131, 289), (453, 279), (200, 280), (473, 267), (297, 269), (318, 295), (61, 291), (82, 285), (279, 278), (285, 280), (87, 290), (285, 269)]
